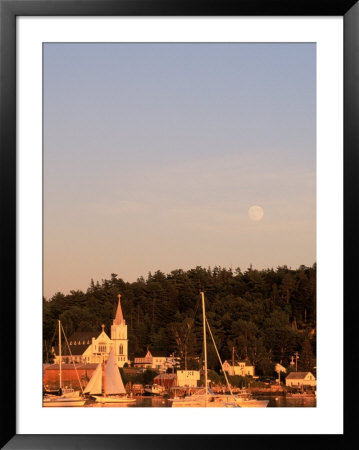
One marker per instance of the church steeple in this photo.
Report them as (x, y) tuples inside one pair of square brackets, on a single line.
[(119, 336), (119, 317)]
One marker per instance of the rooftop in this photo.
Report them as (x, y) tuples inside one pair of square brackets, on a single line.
[(238, 362), (89, 366), (297, 375), (76, 350), (166, 376), (83, 335)]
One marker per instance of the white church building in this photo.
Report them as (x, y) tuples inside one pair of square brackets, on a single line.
[(85, 347)]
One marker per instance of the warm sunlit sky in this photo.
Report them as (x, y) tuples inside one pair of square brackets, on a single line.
[(154, 154)]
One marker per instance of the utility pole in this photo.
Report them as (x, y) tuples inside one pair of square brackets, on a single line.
[(291, 361)]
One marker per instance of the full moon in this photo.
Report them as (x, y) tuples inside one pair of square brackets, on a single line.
[(256, 213)]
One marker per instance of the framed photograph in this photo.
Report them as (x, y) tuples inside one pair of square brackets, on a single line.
[(174, 180)]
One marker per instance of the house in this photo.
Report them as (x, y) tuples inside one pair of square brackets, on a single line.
[(85, 347), (279, 368), (188, 377), (144, 362), (155, 360), (242, 368), (300, 379)]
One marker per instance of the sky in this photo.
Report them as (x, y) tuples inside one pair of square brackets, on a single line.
[(155, 153)]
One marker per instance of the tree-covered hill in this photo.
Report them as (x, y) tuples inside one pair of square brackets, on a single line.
[(266, 315)]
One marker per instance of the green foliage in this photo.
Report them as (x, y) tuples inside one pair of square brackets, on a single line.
[(266, 315), (306, 361), (238, 381), (145, 377), (214, 377), (148, 376)]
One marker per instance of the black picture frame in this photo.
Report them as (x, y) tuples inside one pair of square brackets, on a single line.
[(9, 10)]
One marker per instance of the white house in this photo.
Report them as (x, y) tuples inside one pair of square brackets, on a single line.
[(241, 368), (85, 347), (300, 379), (279, 368), (155, 360)]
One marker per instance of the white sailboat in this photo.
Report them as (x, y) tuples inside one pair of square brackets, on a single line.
[(245, 399), (204, 398), (106, 384), (67, 396)]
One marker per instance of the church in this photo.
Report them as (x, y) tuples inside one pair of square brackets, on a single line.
[(86, 348)]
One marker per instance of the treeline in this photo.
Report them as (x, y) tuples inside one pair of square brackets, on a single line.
[(264, 315)]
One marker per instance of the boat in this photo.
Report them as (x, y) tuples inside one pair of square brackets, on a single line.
[(47, 391), (244, 399), (200, 401), (71, 399), (64, 396), (106, 385), (207, 398), (154, 389)]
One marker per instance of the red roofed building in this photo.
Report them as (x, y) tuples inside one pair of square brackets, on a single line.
[(68, 373), (166, 379)]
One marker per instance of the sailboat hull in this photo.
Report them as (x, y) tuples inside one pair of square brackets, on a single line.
[(63, 401), (114, 399), (218, 401), (244, 400), (253, 403), (202, 404)]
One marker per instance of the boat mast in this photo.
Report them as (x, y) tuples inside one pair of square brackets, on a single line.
[(205, 349), (60, 368), (232, 360), (103, 376), (72, 358)]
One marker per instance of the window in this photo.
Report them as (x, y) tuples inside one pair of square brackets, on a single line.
[(102, 347), (120, 349)]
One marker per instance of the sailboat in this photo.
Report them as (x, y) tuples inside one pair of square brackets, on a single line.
[(106, 385), (64, 396), (204, 398), (207, 398)]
